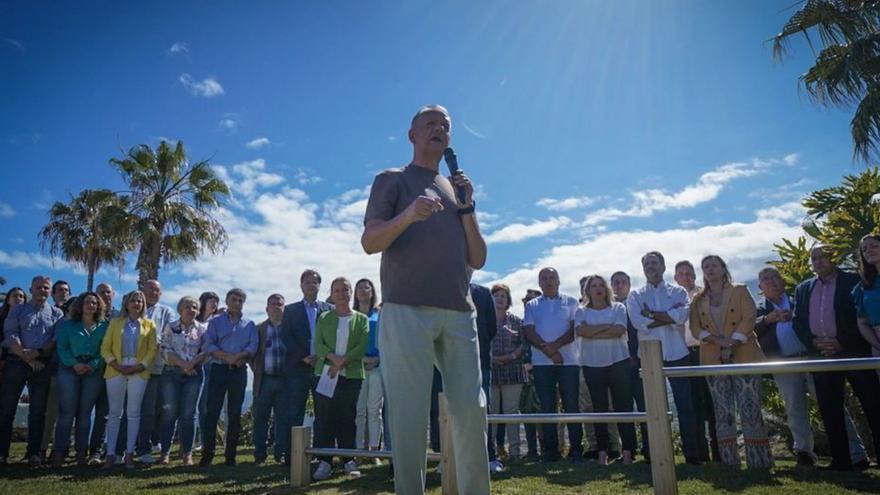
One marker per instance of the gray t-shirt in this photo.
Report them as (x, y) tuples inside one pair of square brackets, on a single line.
[(427, 264)]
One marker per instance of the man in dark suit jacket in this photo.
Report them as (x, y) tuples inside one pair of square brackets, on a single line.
[(297, 329), (825, 321)]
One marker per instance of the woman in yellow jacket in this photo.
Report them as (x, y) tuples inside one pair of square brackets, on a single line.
[(129, 348), (723, 320)]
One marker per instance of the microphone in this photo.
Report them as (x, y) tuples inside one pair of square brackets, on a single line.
[(452, 163)]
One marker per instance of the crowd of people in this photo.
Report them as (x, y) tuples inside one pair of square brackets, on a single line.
[(145, 372), (149, 376)]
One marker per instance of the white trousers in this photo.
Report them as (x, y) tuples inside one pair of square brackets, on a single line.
[(117, 387), (412, 339), (368, 420)]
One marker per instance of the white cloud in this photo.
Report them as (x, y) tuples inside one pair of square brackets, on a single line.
[(518, 232), (645, 203), (745, 246), (246, 178), (257, 143), (689, 223), (304, 177), (565, 204), (228, 124), (17, 44), (179, 48), (6, 210), (472, 131), (273, 239), (790, 159), (208, 87), (21, 259)]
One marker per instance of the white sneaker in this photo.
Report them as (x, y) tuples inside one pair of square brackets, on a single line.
[(351, 469), (95, 459), (496, 466), (323, 472), (157, 449), (146, 459)]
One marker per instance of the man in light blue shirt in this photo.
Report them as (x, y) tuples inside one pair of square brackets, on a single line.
[(29, 332), (231, 340)]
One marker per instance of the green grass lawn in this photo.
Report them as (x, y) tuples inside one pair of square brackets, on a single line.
[(523, 478)]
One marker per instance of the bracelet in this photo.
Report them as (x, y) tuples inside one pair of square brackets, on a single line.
[(468, 210)]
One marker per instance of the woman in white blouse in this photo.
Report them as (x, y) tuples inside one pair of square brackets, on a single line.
[(601, 326)]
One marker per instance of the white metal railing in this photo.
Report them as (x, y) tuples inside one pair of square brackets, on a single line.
[(656, 415)]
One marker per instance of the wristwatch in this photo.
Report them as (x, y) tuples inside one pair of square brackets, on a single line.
[(468, 210)]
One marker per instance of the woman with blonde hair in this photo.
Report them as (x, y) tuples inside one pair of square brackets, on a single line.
[(722, 318), (600, 323), (129, 348)]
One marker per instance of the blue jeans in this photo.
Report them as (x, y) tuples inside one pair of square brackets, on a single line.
[(299, 386), (17, 374), (682, 394), (273, 396), (638, 394), (566, 378), (77, 395), (99, 426), (180, 395), (150, 407), (226, 383)]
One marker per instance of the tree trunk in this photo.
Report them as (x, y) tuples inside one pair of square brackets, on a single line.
[(148, 259), (92, 267)]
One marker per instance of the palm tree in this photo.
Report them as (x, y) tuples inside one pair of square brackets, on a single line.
[(847, 68), (172, 201), (92, 230)]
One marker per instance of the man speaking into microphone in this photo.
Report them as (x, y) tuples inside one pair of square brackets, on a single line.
[(428, 238)]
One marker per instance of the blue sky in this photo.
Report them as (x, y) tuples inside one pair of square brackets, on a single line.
[(595, 130)]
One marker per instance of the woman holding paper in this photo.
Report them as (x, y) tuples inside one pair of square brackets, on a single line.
[(341, 338)]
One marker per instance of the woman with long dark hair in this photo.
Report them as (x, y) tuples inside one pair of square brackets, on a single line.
[(80, 375), (14, 297), (723, 319), (368, 420), (867, 294)]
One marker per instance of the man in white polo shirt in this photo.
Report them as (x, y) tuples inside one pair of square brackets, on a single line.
[(549, 327)]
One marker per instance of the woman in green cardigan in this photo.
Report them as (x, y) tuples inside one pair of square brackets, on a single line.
[(80, 375), (341, 339)]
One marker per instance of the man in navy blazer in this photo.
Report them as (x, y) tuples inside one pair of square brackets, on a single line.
[(297, 329), (825, 321)]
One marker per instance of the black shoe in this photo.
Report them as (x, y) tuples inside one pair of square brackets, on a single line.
[(206, 459), (532, 456), (613, 455), (552, 457), (230, 461), (693, 462), (862, 465), (576, 459), (805, 460), (592, 454), (835, 467)]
